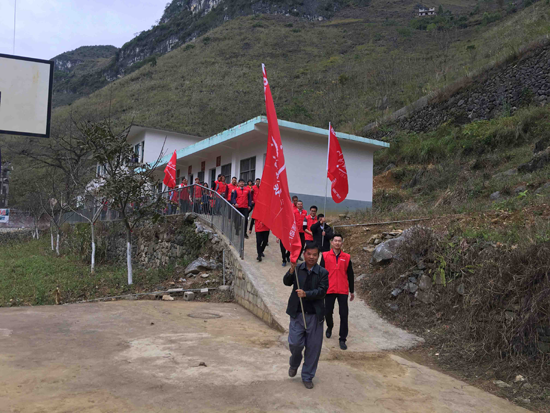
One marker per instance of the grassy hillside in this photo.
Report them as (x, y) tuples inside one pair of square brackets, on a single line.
[(348, 71)]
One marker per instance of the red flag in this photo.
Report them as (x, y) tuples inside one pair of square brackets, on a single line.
[(170, 172), (273, 206), (336, 168)]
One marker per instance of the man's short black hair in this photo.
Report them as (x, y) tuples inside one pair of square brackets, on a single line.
[(241, 180), (234, 177), (313, 206), (258, 179), (320, 215), (311, 245), (219, 175), (338, 235), (300, 201), (294, 197)]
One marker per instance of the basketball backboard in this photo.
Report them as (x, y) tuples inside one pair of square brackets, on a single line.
[(25, 96)]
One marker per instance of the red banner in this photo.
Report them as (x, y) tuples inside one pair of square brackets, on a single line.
[(336, 168), (273, 206), (170, 172)]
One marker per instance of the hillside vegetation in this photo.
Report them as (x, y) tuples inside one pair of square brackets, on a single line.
[(348, 71)]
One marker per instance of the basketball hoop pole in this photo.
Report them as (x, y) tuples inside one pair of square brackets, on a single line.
[(14, 22)]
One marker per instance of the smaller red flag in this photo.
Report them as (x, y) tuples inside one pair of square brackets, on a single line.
[(336, 168), (170, 172)]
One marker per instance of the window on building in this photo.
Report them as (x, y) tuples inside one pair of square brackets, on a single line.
[(226, 171), (139, 151), (248, 169), (200, 175)]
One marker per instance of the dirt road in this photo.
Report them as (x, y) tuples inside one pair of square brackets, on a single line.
[(154, 356)]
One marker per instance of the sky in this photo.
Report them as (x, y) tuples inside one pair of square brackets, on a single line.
[(47, 28)]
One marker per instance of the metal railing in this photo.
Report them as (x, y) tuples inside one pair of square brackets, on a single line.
[(206, 203)]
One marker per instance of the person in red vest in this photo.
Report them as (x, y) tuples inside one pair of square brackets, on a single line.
[(309, 221), (300, 215), (174, 198), (255, 192), (340, 281), (295, 202), (197, 196), (262, 235), (184, 197), (221, 186), (231, 187), (242, 199)]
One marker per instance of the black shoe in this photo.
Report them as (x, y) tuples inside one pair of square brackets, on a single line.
[(343, 345), (329, 332), (259, 258), (284, 263), (263, 255), (308, 384), (292, 372)]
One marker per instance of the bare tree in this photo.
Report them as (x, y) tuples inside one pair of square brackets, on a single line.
[(130, 189)]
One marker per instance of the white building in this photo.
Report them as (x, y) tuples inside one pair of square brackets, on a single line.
[(426, 12), (241, 151)]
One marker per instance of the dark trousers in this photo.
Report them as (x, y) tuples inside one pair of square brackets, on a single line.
[(261, 241), (311, 339), (284, 253), (330, 299), (243, 211), (303, 241), (184, 206), (252, 220)]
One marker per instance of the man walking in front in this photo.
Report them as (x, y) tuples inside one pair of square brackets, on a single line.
[(322, 233), (340, 275), (311, 287)]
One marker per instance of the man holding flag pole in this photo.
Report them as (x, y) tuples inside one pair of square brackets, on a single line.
[(309, 281)]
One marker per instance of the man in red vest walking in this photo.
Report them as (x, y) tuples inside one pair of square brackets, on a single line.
[(300, 215), (242, 199), (340, 281)]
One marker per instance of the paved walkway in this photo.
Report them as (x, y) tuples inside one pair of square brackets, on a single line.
[(367, 331), (178, 356)]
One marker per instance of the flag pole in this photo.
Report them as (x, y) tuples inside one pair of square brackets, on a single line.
[(301, 303), (326, 183)]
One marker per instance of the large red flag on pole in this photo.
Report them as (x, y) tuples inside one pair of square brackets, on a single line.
[(273, 206), (170, 172), (336, 168)]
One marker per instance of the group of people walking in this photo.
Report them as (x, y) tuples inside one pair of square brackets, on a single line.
[(321, 278)]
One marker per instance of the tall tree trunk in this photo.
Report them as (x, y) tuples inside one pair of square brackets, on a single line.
[(57, 244), (51, 236), (92, 270), (129, 255)]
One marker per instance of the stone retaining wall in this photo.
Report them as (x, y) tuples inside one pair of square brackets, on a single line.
[(246, 294)]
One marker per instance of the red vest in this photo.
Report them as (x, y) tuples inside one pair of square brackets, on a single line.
[(221, 187), (184, 194), (300, 219), (242, 197), (259, 226), (231, 187), (310, 222), (174, 196), (337, 272), (255, 193), (198, 192)]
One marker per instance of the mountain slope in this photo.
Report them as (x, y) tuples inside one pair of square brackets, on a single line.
[(348, 71), (79, 72)]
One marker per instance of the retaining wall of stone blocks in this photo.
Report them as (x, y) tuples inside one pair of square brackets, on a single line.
[(246, 294)]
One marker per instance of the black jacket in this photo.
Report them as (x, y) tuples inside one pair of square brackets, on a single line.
[(318, 236), (316, 287)]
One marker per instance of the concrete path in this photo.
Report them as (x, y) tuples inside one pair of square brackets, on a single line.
[(367, 331), (158, 356)]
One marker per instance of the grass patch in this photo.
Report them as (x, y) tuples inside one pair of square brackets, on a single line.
[(30, 273)]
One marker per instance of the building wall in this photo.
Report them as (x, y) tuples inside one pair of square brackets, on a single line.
[(154, 141)]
